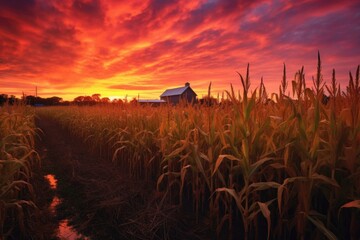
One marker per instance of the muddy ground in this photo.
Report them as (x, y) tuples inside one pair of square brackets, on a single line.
[(97, 199)]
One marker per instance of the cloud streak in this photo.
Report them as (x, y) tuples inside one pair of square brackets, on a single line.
[(143, 47)]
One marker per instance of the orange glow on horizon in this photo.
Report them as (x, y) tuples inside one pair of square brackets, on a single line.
[(81, 47)]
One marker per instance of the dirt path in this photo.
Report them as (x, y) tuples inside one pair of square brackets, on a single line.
[(99, 201)]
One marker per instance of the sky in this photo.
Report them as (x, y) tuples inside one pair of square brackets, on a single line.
[(132, 48)]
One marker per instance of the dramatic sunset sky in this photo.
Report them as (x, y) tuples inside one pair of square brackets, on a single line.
[(116, 48)]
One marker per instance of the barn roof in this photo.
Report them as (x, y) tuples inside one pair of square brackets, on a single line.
[(175, 91)]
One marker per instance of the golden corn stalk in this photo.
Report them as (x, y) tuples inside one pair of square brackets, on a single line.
[(17, 156), (290, 165)]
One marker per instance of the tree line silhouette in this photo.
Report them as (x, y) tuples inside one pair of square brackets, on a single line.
[(58, 101)]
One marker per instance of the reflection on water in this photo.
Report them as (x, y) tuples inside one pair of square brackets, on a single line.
[(55, 201), (65, 231), (52, 180)]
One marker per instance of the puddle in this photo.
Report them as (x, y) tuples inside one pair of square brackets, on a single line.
[(52, 180), (65, 231)]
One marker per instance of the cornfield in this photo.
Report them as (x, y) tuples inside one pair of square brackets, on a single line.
[(290, 165), (17, 157)]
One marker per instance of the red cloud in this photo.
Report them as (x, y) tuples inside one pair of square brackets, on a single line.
[(79, 46)]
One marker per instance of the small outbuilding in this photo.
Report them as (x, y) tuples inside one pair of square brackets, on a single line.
[(175, 95)]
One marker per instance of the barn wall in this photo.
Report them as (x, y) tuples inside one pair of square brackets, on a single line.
[(189, 95), (172, 99)]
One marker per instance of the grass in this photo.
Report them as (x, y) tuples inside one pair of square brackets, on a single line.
[(290, 166)]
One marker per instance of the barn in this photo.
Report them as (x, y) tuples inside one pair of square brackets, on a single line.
[(175, 95)]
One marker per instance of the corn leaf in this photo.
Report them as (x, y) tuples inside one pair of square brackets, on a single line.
[(320, 225)]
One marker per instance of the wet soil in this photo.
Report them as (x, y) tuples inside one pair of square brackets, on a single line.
[(96, 200)]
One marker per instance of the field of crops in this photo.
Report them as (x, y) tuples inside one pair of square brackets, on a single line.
[(281, 169), (17, 157)]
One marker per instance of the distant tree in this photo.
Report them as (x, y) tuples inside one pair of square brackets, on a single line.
[(134, 101), (117, 101), (84, 100), (96, 97), (53, 100), (89, 100), (30, 100), (78, 99), (12, 99), (3, 99), (105, 100)]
